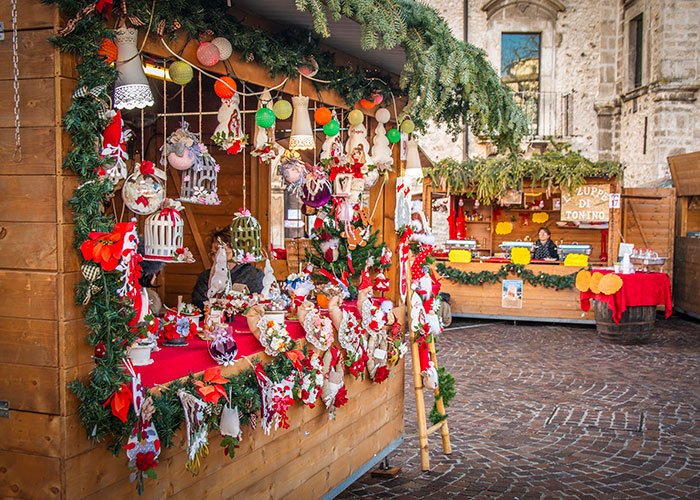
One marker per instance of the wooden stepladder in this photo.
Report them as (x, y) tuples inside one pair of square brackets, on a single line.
[(423, 430)]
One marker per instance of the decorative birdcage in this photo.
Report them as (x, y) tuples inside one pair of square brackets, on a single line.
[(245, 237), (164, 234), (199, 182)]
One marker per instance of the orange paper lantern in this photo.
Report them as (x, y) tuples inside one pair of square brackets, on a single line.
[(367, 104), (108, 50), (222, 90), (322, 115)]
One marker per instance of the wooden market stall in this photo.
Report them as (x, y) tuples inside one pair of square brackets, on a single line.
[(685, 170)]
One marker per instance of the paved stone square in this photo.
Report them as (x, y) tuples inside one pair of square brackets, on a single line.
[(551, 411)]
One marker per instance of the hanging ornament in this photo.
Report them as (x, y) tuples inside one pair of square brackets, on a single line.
[(332, 128), (195, 411), (180, 72), (407, 126), (309, 68), (282, 109), (144, 191), (208, 54), (381, 151), (182, 148), (199, 184), (224, 46), (382, 115), (357, 137), (265, 118), (131, 90), (377, 98), (367, 104), (393, 135), (100, 350), (108, 50), (317, 191), (266, 149), (246, 241), (225, 87), (355, 117), (228, 134), (222, 346), (322, 115), (293, 171), (302, 135), (164, 234), (114, 141)]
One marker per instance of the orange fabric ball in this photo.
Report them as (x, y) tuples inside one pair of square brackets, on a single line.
[(367, 104), (108, 50), (322, 115), (222, 90)]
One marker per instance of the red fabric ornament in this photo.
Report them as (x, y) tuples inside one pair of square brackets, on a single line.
[(112, 135), (221, 87), (120, 402), (208, 54), (366, 281), (104, 7), (146, 461), (100, 350), (381, 374), (341, 397)]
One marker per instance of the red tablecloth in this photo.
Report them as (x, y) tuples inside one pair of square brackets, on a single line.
[(171, 362), (638, 289)]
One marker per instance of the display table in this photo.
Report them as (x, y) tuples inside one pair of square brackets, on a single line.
[(638, 289)]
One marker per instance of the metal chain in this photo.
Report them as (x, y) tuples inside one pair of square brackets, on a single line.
[(17, 155)]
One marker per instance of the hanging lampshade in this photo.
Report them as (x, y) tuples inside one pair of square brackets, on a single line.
[(302, 135), (131, 89), (413, 166)]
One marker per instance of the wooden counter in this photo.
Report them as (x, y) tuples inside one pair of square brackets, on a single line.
[(538, 304)]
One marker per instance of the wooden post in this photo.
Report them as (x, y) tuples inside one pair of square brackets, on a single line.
[(439, 404)]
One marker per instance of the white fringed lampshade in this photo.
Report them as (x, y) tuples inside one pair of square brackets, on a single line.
[(302, 134), (131, 89), (413, 166)]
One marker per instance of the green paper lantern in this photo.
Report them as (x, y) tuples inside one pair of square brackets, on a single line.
[(180, 73), (355, 117), (407, 126), (332, 128), (282, 109), (265, 117), (393, 135)]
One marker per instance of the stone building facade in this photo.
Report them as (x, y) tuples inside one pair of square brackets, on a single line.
[(618, 79)]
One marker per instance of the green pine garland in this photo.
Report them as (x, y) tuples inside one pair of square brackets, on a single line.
[(546, 280), (447, 390)]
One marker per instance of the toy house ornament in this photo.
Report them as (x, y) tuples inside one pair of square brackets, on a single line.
[(164, 235), (144, 191), (245, 237), (228, 134)]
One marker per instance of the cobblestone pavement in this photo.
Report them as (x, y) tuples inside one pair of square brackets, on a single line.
[(551, 411)]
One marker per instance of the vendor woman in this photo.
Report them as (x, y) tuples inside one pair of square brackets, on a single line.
[(544, 247), (244, 274)]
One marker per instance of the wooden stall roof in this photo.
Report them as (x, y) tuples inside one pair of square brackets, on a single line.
[(685, 171)]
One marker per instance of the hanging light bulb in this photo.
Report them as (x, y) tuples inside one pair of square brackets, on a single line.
[(413, 166), (131, 89), (302, 134)]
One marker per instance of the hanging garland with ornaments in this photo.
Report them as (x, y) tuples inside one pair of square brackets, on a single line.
[(546, 280)]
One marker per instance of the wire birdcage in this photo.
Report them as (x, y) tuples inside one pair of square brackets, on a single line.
[(246, 241), (199, 182)]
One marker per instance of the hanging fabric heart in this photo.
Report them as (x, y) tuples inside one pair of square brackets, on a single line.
[(91, 272)]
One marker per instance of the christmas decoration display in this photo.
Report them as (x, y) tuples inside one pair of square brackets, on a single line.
[(164, 234), (322, 115), (195, 411), (131, 89), (293, 171), (332, 128), (228, 134), (558, 282), (245, 237), (199, 183), (334, 393), (143, 191), (302, 136), (381, 152), (219, 277), (274, 337), (283, 109), (180, 72), (114, 141)]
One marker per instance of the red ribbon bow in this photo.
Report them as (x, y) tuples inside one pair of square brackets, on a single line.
[(172, 213), (147, 168)]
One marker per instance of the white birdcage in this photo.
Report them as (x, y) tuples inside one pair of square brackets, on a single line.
[(199, 182), (164, 233)]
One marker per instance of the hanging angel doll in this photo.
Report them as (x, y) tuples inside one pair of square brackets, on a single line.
[(228, 134)]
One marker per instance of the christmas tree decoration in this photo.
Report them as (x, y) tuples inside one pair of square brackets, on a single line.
[(108, 50), (225, 87), (164, 233), (264, 118), (100, 350), (208, 54), (332, 128), (131, 89), (228, 134), (181, 73), (245, 237), (224, 46), (381, 151), (144, 190), (196, 412), (407, 126), (302, 136), (114, 141), (282, 109), (322, 115), (199, 183), (355, 117), (393, 135)]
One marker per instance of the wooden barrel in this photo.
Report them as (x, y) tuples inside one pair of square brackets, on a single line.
[(636, 325)]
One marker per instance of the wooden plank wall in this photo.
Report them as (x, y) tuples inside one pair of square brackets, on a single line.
[(685, 170), (687, 276)]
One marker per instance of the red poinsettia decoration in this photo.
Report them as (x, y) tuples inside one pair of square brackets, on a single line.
[(120, 402), (211, 388), (146, 461), (381, 374), (357, 368), (341, 397), (106, 249), (297, 358)]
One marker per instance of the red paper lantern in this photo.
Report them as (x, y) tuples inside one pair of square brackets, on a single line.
[(367, 104), (208, 54), (322, 115), (221, 87), (108, 50)]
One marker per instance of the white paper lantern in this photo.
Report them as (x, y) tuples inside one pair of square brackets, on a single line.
[(413, 166), (224, 46), (382, 115)]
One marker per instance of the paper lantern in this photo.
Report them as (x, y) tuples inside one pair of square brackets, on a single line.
[(131, 89), (224, 46), (265, 118), (225, 87), (322, 115), (355, 117), (108, 50), (583, 280), (382, 115), (142, 193), (393, 135), (407, 126), (181, 72), (282, 109), (595, 282), (610, 284), (332, 128), (367, 104), (208, 54), (302, 136)]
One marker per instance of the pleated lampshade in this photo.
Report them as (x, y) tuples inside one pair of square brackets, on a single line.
[(413, 166), (131, 89), (302, 134)]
